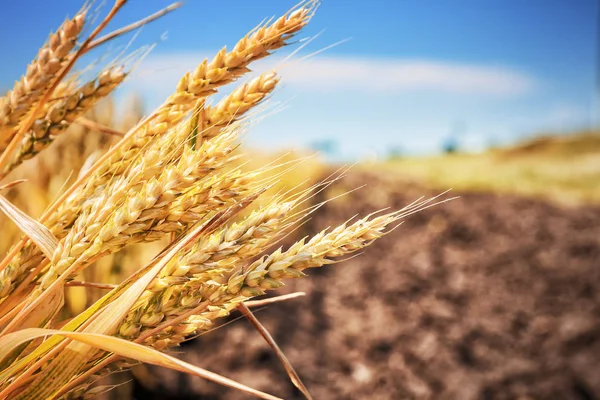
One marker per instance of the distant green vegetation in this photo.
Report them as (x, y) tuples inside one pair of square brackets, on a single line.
[(561, 168)]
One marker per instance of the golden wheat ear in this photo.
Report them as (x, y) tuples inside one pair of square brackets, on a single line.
[(198, 84), (104, 316), (205, 123), (60, 115), (192, 88), (182, 284), (216, 286), (40, 75)]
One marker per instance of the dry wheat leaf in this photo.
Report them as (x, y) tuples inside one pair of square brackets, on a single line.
[(38, 233), (133, 287), (40, 317), (125, 349)]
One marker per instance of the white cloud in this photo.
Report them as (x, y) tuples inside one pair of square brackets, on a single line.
[(160, 73), (392, 75)]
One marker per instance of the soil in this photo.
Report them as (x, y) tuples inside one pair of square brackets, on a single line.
[(485, 297)]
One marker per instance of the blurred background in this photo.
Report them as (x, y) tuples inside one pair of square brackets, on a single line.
[(491, 296)]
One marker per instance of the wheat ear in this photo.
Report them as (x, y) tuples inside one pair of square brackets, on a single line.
[(181, 282), (63, 112), (224, 68), (108, 222), (40, 75), (237, 105), (221, 293), (234, 106)]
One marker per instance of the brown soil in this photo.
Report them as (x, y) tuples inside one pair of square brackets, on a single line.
[(485, 297)]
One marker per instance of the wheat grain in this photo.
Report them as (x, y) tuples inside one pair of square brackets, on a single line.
[(214, 120), (188, 207), (185, 197)]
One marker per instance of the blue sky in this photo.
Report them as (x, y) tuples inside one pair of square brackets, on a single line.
[(413, 72)]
